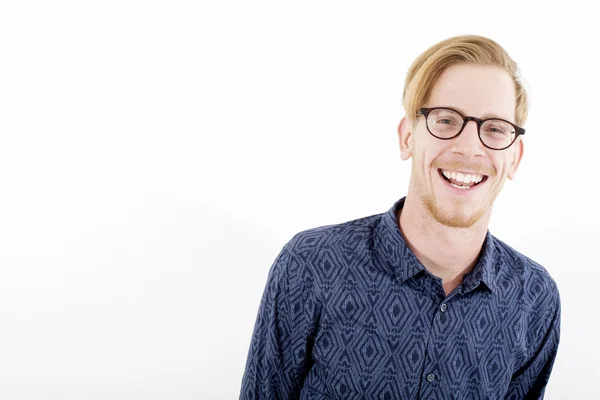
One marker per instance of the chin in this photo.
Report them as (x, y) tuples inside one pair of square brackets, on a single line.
[(454, 216)]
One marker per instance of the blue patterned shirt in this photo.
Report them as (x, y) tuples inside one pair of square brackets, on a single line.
[(348, 312)]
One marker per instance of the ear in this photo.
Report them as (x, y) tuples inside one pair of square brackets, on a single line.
[(405, 138), (517, 157)]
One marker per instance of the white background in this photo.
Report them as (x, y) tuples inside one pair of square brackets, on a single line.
[(156, 156)]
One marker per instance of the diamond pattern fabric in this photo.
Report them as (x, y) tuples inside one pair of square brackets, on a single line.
[(348, 312)]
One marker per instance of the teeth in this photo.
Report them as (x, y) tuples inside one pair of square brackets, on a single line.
[(460, 187), (464, 178)]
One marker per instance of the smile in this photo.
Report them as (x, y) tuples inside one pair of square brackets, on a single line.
[(462, 180)]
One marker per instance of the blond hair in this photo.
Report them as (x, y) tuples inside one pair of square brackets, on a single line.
[(425, 71)]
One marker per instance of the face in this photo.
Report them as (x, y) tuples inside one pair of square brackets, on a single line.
[(478, 91)]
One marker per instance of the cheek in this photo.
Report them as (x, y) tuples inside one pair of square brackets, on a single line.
[(426, 152), (503, 168)]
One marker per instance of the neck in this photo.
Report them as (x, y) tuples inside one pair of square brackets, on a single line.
[(446, 252)]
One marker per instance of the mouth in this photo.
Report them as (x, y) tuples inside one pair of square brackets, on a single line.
[(463, 181)]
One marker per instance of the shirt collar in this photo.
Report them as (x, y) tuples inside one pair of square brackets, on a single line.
[(395, 256)]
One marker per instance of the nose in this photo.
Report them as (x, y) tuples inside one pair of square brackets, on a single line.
[(468, 143)]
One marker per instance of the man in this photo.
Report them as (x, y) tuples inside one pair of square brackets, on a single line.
[(420, 302)]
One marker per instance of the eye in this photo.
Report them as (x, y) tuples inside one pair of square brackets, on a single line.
[(499, 130), (445, 120)]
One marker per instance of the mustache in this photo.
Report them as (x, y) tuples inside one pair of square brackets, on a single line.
[(463, 166)]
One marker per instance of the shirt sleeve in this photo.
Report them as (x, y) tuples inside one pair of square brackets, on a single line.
[(279, 355), (531, 380)]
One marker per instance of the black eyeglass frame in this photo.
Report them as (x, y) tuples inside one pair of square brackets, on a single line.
[(425, 112)]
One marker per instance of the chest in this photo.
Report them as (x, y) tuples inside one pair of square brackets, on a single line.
[(409, 342)]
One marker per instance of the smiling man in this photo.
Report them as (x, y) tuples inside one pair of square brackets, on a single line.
[(421, 301)]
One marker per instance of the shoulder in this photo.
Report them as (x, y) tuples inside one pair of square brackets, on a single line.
[(298, 269), (339, 236), (526, 280), (517, 263), (312, 253)]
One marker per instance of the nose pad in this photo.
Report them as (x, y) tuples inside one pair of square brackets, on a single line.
[(468, 142), (473, 125)]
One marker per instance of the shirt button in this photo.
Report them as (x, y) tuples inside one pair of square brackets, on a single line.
[(430, 377), (443, 307)]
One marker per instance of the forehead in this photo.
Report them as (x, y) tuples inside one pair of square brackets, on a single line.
[(475, 90)]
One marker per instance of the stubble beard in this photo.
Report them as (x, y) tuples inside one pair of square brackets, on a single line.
[(454, 220)]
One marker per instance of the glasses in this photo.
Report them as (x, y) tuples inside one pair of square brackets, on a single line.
[(494, 133)]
